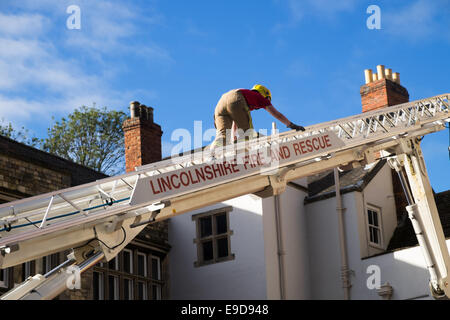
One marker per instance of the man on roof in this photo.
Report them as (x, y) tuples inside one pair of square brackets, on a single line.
[(233, 110)]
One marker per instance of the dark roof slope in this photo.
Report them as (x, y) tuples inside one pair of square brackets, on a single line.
[(404, 235), (321, 186), (79, 174)]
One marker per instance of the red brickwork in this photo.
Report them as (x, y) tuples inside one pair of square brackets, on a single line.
[(381, 94), (142, 142)]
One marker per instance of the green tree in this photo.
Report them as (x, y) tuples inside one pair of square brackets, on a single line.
[(89, 136), (22, 135)]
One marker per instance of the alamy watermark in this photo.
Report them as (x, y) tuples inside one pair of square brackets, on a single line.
[(374, 280), (374, 20), (234, 146), (74, 20)]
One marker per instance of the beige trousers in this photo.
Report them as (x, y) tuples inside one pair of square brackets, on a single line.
[(231, 107)]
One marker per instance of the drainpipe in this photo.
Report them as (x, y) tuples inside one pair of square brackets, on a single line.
[(280, 247), (345, 271)]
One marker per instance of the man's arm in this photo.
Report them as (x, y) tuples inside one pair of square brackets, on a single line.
[(278, 115)]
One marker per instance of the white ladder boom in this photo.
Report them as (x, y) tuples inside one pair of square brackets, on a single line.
[(110, 212)]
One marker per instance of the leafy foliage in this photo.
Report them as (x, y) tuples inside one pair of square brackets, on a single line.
[(89, 136), (22, 135)]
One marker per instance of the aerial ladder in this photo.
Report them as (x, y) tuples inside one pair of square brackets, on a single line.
[(95, 221)]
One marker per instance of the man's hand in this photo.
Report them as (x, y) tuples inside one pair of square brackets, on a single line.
[(296, 127)]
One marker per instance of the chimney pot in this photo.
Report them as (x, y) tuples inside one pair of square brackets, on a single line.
[(150, 114), (368, 75), (380, 71), (396, 77), (134, 109), (143, 109), (388, 73), (374, 77)]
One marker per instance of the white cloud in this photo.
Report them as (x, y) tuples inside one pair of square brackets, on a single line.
[(323, 9), (22, 25), (46, 69), (414, 21)]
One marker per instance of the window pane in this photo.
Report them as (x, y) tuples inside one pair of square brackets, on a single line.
[(375, 235), (222, 247), (142, 291), (127, 289), (221, 223), (142, 264), (45, 264), (113, 283), (4, 278), (369, 213), (113, 264), (54, 261), (98, 286), (371, 234), (127, 261), (156, 292), (26, 270), (205, 227), (207, 247), (95, 287), (375, 218), (156, 271)]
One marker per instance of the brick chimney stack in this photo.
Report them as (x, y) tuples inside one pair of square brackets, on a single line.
[(382, 89), (142, 137)]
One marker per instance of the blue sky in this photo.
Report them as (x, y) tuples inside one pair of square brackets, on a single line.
[(180, 56)]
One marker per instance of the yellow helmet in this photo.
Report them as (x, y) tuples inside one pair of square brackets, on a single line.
[(263, 90)]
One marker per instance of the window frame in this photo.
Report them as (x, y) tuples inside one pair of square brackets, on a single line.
[(131, 260), (145, 291), (158, 271), (129, 288), (100, 284), (116, 263), (379, 227), (49, 262), (116, 283), (5, 282), (214, 237), (158, 291), (136, 279), (145, 255), (28, 269)]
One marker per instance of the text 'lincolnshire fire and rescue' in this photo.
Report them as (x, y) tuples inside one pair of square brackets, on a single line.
[(210, 172)]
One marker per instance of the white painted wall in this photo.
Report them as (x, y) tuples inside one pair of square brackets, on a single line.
[(404, 270), (241, 278), (312, 253), (323, 244), (379, 192), (293, 231)]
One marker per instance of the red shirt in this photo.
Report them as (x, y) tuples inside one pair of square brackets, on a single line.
[(254, 99)]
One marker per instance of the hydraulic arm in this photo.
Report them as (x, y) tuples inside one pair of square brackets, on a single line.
[(423, 213)]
